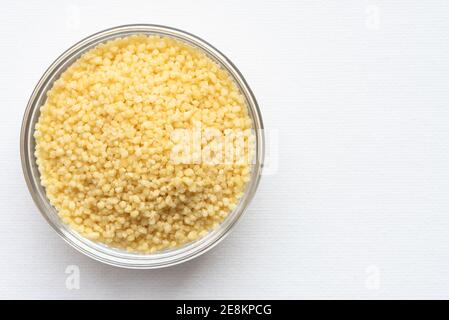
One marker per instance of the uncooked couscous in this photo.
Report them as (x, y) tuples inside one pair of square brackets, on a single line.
[(105, 142)]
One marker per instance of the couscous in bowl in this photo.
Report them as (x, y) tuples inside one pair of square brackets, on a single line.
[(113, 254)]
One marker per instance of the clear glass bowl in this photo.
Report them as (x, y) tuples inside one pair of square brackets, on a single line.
[(99, 251)]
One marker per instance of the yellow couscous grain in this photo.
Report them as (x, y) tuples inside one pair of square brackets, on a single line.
[(105, 141)]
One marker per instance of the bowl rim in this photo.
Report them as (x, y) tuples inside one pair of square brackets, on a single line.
[(97, 251)]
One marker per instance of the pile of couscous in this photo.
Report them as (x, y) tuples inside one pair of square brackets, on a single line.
[(106, 138)]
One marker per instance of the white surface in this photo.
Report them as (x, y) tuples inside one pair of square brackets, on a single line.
[(358, 91)]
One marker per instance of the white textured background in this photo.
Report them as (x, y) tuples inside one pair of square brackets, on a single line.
[(359, 206)]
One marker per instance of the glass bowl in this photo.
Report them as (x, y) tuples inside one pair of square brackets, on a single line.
[(101, 252)]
